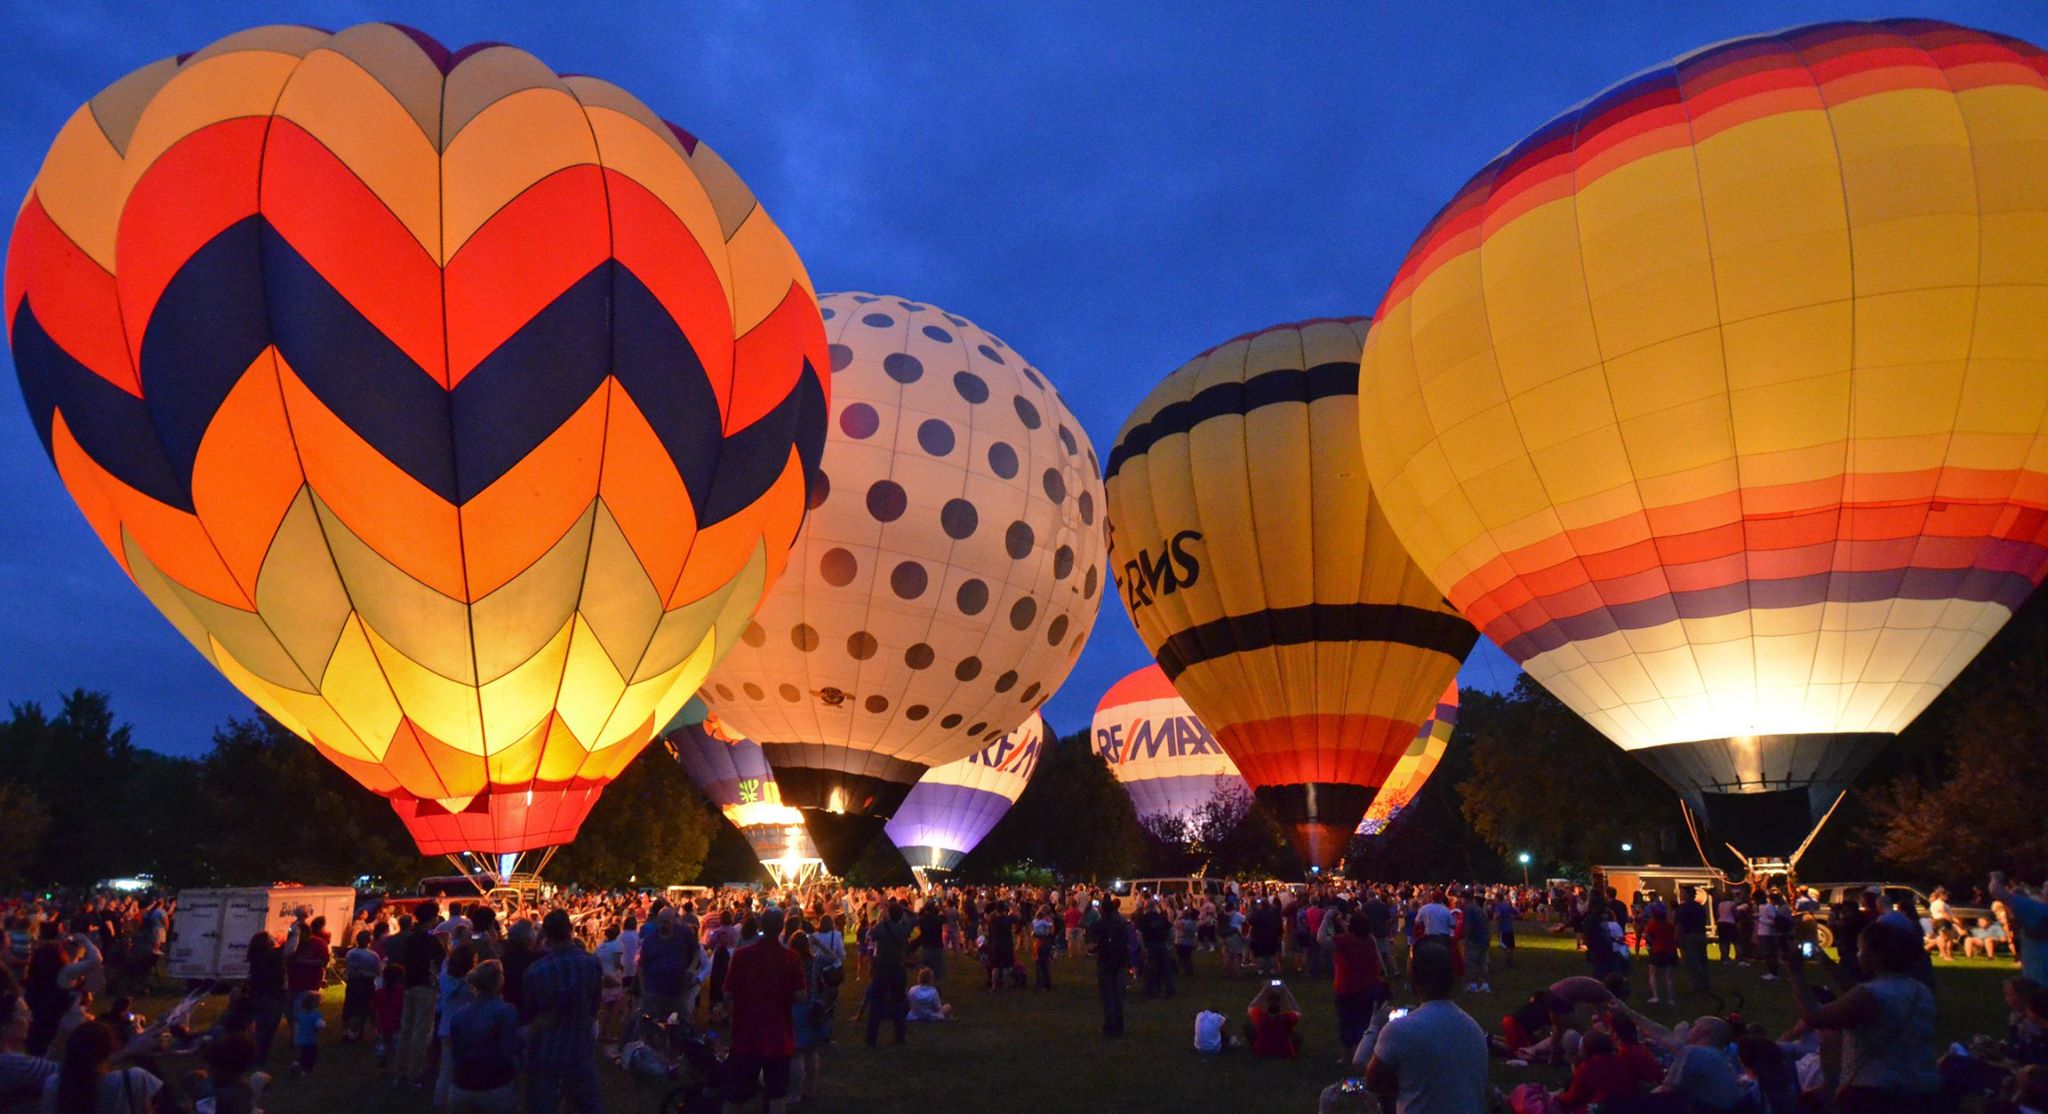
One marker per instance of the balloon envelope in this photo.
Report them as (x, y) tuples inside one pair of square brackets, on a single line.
[(1415, 766), (1156, 745), (1255, 563), (1719, 402), (459, 412), (947, 577), (953, 807), (733, 772)]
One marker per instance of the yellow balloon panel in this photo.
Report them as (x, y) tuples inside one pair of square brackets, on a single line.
[(1247, 547), (1720, 402)]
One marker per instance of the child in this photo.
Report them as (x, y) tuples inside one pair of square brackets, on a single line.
[(1209, 1036), (228, 1064), (387, 1006), (1042, 939), (1662, 936), (306, 1026)]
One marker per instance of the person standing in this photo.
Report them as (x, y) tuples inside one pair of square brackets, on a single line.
[(1156, 931), (483, 1046), (359, 984), (1044, 936), (1690, 919), (1360, 983), (887, 992), (1504, 916), (1110, 940), (559, 1005), (1724, 926), (1478, 928), (1435, 1058), (2030, 920), (763, 985), (267, 997), (421, 955)]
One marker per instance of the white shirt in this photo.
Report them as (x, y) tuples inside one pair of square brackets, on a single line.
[(1439, 1054), (1434, 919), (1209, 1031), (611, 958), (629, 951)]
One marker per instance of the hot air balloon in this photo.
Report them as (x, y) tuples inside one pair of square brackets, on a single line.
[(948, 575), (1719, 402), (733, 772), (1249, 550), (1156, 745), (1415, 766), (953, 807), (459, 412)]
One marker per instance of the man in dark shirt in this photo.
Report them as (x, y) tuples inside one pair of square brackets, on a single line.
[(1692, 921), (1265, 928), (667, 954), (891, 938), (1156, 930), (421, 953), (1002, 944), (560, 1000), (762, 984), (1110, 939)]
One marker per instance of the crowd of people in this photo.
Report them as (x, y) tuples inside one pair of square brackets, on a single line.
[(489, 1009)]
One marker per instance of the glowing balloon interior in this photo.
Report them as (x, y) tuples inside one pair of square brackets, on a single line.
[(953, 807), (1415, 766), (458, 411), (1719, 402)]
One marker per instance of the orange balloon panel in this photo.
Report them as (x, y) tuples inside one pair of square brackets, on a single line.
[(459, 412), (1721, 401), (1415, 766), (1255, 563)]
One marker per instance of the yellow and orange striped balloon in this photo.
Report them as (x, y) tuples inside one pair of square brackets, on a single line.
[(1721, 401), (459, 412), (1257, 567), (1415, 766)]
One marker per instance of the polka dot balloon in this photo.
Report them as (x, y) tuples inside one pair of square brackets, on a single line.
[(944, 584)]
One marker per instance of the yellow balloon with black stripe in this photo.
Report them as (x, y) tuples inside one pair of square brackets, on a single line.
[(1246, 545)]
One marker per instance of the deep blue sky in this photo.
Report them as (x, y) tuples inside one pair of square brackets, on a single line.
[(1110, 187)]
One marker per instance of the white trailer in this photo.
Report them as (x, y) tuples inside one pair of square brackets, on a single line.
[(212, 929)]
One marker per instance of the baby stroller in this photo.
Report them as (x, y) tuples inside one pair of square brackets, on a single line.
[(678, 1051)]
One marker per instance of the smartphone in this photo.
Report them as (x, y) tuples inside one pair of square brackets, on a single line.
[(1396, 1015), (1276, 982), (1808, 949), (1352, 1086)]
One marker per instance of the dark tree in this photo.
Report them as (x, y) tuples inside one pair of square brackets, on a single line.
[(650, 828), (1074, 818), (1544, 781), (21, 834), (271, 809), (1239, 837)]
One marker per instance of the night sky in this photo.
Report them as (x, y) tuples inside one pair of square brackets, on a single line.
[(1112, 188)]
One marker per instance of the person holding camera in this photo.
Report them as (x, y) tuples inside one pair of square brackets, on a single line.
[(1886, 1022), (1432, 1057)]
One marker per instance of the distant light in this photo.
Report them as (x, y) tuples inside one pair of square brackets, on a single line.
[(1627, 847), (1523, 858), (128, 885)]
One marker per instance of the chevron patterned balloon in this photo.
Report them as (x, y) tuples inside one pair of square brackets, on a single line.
[(458, 411)]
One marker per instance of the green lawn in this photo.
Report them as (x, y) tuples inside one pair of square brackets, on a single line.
[(1031, 1049)]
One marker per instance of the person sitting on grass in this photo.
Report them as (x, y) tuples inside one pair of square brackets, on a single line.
[(1210, 1037), (1434, 1057), (1986, 937), (1601, 1075), (231, 1077), (925, 1004), (1990, 1064), (1271, 1020), (1545, 1026)]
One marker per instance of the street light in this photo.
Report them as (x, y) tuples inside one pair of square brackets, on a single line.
[(1523, 858), (1628, 849)]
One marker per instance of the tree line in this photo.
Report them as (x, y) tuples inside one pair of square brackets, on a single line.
[(1963, 790)]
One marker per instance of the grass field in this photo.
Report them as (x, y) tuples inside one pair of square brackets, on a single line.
[(1034, 1050)]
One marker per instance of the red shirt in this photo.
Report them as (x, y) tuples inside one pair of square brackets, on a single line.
[(1663, 937), (388, 1004), (1601, 1078), (762, 985), (1357, 961), (1644, 1063), (1271, 1033)]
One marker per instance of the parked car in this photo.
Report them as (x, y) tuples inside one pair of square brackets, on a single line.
[(1832, 894)]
